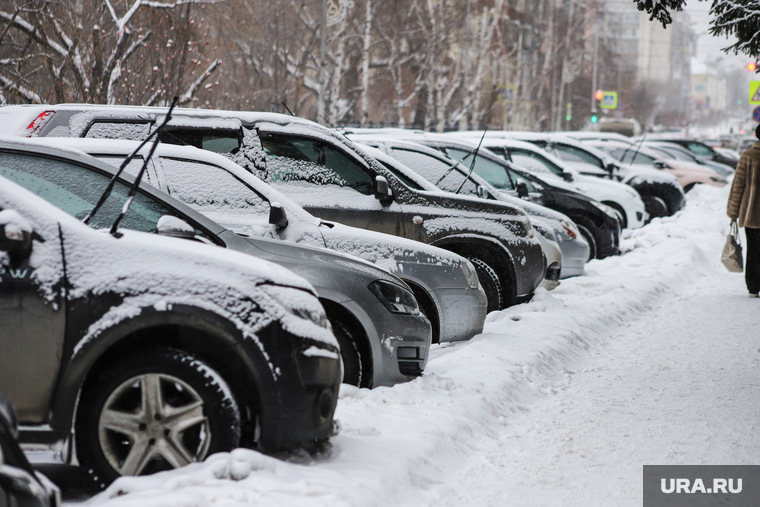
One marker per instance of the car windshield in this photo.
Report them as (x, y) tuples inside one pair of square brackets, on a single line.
[(434, 170), (76, 189)]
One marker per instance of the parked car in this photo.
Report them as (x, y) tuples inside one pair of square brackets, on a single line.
[(149, 352), (304, 159), (680, 153), (547, 223), (375, 317), (433, 165), (688, 174), (528, 156), (661, 193), (699, 148), (20, 484), (444, 283)]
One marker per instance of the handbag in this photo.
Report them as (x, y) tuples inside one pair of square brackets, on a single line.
[(732, 251)]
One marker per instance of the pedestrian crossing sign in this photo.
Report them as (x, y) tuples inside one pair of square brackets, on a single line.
[(609, 100), (754, 92)]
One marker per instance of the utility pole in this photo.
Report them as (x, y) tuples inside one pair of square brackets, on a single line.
[(595, 71), (322, 50), (565, 75)]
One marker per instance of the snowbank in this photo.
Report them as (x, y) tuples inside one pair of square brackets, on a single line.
[(396, 441)]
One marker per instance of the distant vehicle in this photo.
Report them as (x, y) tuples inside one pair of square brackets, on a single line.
[(700, 149), (149, 352), (681, 153), (746, 143), (661, 193), (688, 174), (20, 484), (624, 126)]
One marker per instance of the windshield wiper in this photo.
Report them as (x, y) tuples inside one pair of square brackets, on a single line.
[(472, 164), (155, 135)]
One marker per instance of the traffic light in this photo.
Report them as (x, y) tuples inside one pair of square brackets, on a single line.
[(594, 117), (599, 95), (751, 66)]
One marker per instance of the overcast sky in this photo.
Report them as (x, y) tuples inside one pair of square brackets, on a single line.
[(709, 47)]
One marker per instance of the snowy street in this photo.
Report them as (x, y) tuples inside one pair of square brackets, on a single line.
[(647, 359)]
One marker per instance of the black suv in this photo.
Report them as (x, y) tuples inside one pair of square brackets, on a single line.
[(152, 352)]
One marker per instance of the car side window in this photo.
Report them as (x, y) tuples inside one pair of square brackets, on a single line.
[(214, 192), (634, 157), (493, 173), (435, 171), (130, 131), (313, 162), (572, 154), (533, 162), (519, 178), (700, 149), (76, 189)]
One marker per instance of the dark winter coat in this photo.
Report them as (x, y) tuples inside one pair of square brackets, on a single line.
[(744, 199)]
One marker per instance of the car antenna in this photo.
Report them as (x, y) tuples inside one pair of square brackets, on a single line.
[(287, 108), (109, 187), (472, 164), (136, 183)]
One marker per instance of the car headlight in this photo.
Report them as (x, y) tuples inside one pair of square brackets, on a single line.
[(305, 307), (570, 228), (611, 212), (394, 297), (470, 274)]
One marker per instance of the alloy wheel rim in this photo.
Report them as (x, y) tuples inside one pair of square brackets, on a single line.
[(153, 422)]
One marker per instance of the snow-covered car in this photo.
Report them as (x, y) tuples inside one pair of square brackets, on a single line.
[(444, 283), (661, 192), (547, 223), (698, 148), (688, 174), (383, 338), (20, 484), (321, 171), (148, 352), (528, 156)]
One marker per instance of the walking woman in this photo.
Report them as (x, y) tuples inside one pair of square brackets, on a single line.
[(744, 207)]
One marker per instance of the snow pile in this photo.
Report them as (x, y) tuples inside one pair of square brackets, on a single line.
[(397, 442)]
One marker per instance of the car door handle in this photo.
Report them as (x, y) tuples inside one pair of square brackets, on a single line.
[(417, 220)]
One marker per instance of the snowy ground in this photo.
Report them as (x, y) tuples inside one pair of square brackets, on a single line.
[(648, 359)]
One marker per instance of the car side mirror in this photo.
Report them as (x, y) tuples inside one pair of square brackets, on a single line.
[(567, 176), (175, 227), (382, 191), (482, 192), (277, 215), (8, 416), (611, 168), (522, 190), (15, 234)]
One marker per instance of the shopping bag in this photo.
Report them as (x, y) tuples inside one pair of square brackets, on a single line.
[(732, 251)]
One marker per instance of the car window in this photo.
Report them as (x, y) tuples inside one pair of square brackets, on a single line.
[(133, 167), (401, 176), (532, 161), (679, 155), (573, 154), (435, 171), (631, 156), (130, 131), (216, 193), (519, 178), (699, 149), (663, 153), (309, 162), (494, 173), (76, 189), (217, 140)]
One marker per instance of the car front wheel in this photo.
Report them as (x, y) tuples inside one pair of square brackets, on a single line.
[(154, 411), (491, 284)]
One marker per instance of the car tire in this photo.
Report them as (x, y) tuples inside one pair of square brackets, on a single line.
[(622, 217), (588, 235), (491, 284), (352, 360), (153, 411), (655, 207)]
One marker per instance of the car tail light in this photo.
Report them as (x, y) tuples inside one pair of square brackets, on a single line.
[(38, 122)]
